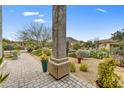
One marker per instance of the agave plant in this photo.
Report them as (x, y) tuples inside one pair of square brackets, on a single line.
[(2, 77), (1, 60)]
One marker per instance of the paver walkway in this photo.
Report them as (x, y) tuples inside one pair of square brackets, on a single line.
[(26, 72)]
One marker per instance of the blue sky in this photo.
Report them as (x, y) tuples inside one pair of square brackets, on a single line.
[(83, 22)]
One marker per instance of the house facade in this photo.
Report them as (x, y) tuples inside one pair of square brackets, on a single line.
[(108, 44)]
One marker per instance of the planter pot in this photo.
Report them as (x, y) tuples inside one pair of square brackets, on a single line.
[(79, 60), (44, 65)]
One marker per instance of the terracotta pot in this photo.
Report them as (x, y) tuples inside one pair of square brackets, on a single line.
[(79, 60)]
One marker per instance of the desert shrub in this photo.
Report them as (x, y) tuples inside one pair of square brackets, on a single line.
[(16, 47), (72, 54), (82, 53), (99, 54), (102, 54), (37, 52), (83, 67), (107, 78), (13, 47), (76, 46), (93, 53), (72, 67), (46, 51)]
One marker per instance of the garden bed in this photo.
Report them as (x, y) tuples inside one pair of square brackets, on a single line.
[(91, 75)]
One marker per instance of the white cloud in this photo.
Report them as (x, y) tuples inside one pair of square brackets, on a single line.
[(41, 15), (101, 10), (40, 20), (28, 13)]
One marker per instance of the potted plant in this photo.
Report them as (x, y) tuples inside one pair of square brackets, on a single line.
[(44, 61), (81, 54)]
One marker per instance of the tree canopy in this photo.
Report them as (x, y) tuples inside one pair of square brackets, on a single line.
[(35, 34), (118, 35)]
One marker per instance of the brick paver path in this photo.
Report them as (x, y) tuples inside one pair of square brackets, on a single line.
[(27, 72)]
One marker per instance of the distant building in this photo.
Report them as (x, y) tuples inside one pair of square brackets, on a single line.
[(108, 44)]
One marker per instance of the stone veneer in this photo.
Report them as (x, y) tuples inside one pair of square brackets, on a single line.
[(59, 65)]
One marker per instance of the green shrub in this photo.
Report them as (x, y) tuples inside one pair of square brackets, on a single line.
[(72, 67), (107, 78), (83, 67), (93, 53), (76, 46), (82, 53), (72, 54), (99, 54), (37, 52)]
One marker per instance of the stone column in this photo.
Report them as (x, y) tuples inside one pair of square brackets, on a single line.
[(59, 65), (0, 31)]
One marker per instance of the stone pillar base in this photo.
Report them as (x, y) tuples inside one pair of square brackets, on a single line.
[(58, 70)]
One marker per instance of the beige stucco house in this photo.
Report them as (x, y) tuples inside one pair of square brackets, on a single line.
[(108, 44)]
